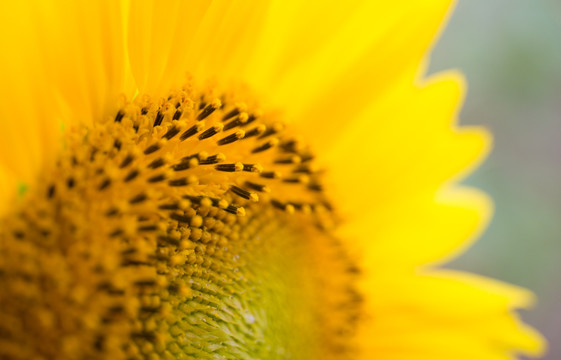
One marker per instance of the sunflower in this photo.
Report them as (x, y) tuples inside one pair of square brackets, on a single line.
[(239, 180)]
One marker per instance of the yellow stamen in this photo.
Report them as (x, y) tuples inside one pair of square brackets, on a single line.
[(171, 233)]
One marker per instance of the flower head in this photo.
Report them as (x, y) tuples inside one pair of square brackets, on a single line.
[(290, 198)]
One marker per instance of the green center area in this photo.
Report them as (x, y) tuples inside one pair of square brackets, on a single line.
[(258, 299)]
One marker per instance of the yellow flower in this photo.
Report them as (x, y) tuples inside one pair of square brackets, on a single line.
[(150, 215)]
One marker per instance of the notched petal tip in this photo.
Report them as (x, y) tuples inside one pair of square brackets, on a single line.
[(477, 208)]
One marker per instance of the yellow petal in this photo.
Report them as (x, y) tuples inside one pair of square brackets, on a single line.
[(355, 65), (294, 32), (425, 228), (66, 64), (167, 39), (389, 179), (441, 314), (27, 132), (8, 186), (159, 31), (82, 47)]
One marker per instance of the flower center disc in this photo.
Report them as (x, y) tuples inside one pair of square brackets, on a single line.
[(190, 227)]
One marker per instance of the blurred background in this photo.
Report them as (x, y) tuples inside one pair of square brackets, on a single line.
[(510, 52)]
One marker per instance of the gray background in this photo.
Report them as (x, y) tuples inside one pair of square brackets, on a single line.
[(510, 52)]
